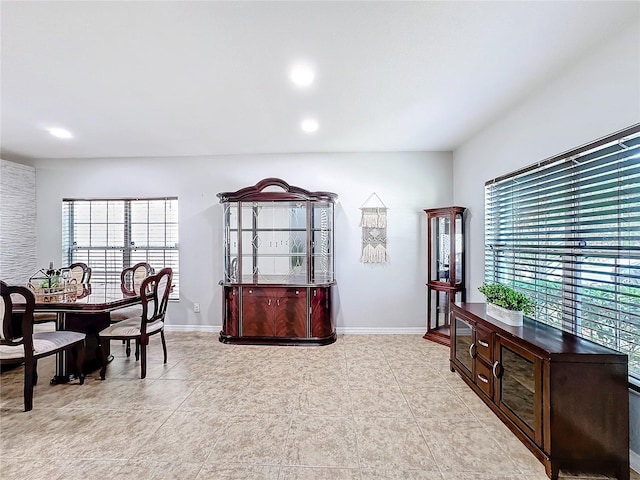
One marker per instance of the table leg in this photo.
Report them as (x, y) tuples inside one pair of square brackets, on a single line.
[(61, 375)]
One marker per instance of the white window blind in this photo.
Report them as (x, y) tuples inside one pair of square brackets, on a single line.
[(112, 234), (567, 232)]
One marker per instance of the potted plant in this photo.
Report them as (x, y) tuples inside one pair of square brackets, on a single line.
[(506, 304)]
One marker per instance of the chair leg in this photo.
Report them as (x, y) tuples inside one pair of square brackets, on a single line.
[(137, 350), (103, 354), (29, 373), (128, 349), (35, 372), (80, 352), (164, 345), (143, 358)]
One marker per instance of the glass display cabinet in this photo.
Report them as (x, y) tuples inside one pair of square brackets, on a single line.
[(445, 270), (278, 265)]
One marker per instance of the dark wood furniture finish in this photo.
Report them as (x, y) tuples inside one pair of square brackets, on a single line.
[(80, 272), (20, 344), (322, 325), (90, 324), (277, 315), (87, 313), (96, 298), (564, 397), (445, 269), (278, 260), (132, 277), (274, 312), (154, 294)]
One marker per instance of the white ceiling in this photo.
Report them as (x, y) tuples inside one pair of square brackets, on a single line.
[(137, 79)]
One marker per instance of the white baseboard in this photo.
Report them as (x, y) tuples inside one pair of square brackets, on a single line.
[(193, 328), (380, 330), (339, 330), (634, 460)]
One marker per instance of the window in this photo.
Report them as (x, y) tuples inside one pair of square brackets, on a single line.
[(112, 234), (567, 232)]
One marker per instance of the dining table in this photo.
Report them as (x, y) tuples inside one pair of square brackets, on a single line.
[(84, 308)]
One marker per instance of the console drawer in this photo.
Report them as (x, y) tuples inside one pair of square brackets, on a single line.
[(484, 344), (484, 379)]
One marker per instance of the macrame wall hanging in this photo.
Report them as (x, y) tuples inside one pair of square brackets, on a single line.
[(374, 230)]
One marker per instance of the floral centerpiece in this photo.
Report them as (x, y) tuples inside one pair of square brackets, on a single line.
[(52, 285)]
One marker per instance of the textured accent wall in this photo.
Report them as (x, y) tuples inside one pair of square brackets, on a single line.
[(18, 259)]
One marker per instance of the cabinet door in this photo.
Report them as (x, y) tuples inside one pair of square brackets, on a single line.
[(321, 320), (274, 242), (322, 242), (463, 345), (258, 312), (518, 374), (231, 312), (291, 312)]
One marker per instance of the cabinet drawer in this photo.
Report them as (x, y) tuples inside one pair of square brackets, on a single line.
[(257, 292), (484, 344), (484, 379), (300, 292)]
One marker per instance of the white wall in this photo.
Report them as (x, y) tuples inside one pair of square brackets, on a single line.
[(593, 98), (387, 297)]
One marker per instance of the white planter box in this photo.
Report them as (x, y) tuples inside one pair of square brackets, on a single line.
[(510, 317)]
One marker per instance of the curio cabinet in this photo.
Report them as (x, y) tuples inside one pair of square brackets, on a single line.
[(278, 265), (445, 269)]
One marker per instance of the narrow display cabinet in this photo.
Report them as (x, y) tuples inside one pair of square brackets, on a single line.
[(445, 269), (278, 265), (564, 397)]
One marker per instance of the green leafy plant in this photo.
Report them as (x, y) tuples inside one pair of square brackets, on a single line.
[(50, 283), (507, 297)]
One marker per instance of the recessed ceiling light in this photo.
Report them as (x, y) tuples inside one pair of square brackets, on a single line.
[(309, 125), (302, 75), (60, 133)]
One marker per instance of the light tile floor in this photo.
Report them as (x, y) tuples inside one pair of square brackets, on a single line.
[(366, 408)]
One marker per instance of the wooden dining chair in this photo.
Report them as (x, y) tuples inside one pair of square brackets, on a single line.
[(131, 279), (154, 292), (18, 342), (80, 272)]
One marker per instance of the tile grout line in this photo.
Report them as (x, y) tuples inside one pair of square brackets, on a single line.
[(413, 416)]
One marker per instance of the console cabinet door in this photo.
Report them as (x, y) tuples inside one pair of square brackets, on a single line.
[(463, 345), (518, 393)]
